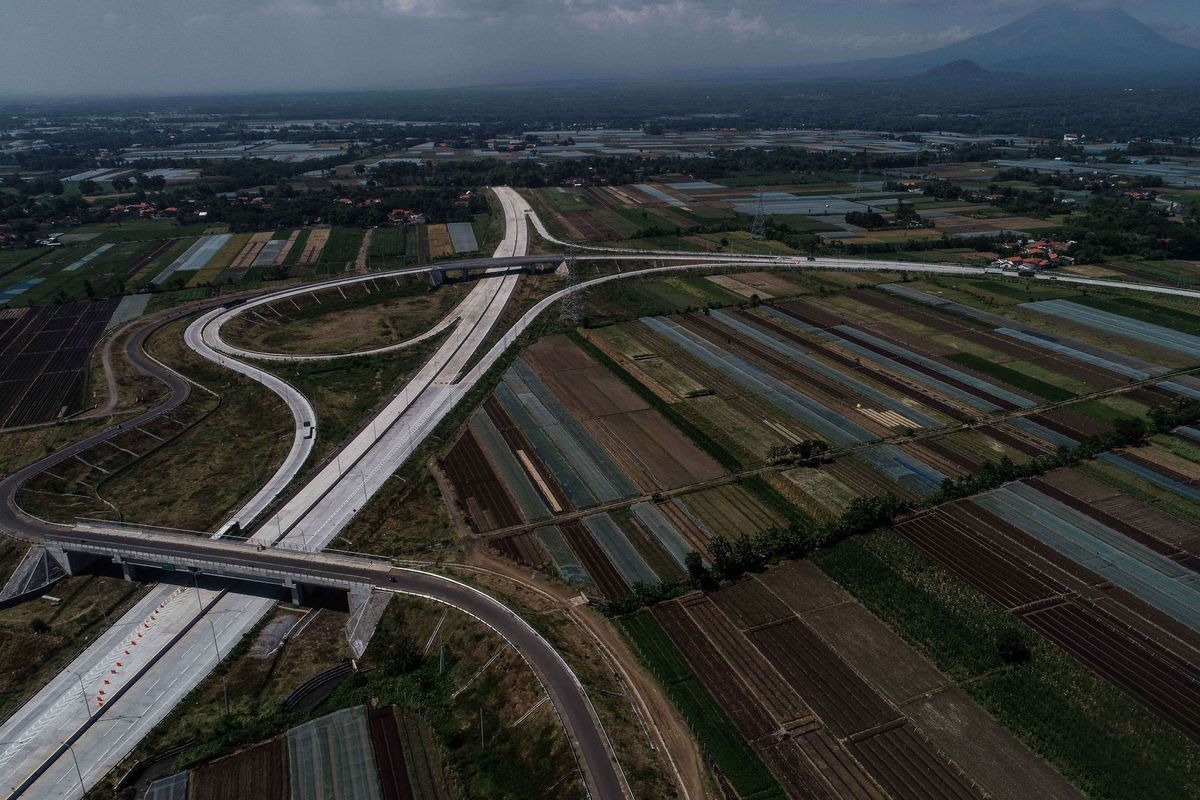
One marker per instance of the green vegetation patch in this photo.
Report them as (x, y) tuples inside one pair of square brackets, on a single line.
[(1101, 411), (13, 260), (1012, 377), (565, 199), (342, 248), (345, 391), (716, 734), (143, 229), (1156, 314), (388, 245), (297, 248), (1184, 448)]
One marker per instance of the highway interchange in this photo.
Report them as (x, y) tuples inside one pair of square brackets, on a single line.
[(184, 630)]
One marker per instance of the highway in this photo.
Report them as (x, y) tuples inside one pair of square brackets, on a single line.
[(195, 627)]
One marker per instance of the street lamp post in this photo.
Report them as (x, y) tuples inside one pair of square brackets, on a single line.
[(196, 582), (83, 693), (224, 678), (78, 771)]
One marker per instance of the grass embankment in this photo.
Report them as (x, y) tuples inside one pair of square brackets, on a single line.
[(396, 310), (195, 480), (722, 745), (1099, 738), (18, 448)]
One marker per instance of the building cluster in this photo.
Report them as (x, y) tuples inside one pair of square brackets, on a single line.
[(1036, 254), (142, 209), (403, 216)]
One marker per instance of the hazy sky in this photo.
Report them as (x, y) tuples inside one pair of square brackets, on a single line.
[(82, 47)]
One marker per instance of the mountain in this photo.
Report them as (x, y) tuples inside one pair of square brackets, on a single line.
[(1054, 41), (962, 71)]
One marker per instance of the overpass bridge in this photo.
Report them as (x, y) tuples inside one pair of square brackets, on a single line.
[(139, 549), (474, 266)]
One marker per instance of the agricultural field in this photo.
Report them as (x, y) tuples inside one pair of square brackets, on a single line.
[(612, 456), (73, 272), (1106, 742), (562, 434), (353, 753), (1185, 274), (905, 388), (338, 251), (672, 213), (45, 353), (1093, 569), (790, 650)]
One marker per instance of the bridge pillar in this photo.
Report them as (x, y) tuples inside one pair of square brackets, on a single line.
[(359, 595), (72, 562), (297, 592), (437, 277), (127, 570)]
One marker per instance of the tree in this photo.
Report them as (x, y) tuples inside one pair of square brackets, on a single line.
[(699, 574), (1130, 429), (1012, 647)]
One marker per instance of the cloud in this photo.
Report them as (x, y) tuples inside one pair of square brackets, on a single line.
[(898, 40), (425, 9), (294, 8), (686, 15), (201, 20)]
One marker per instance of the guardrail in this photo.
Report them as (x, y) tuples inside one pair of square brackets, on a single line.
[(318, 681)]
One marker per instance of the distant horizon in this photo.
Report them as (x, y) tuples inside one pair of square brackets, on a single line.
[(97, 49)]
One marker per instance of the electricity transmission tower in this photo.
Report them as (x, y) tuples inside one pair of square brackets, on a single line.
[(571, 307), (758, 227)]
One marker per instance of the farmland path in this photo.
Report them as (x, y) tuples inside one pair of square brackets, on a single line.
[(664, 725), (360, 261)]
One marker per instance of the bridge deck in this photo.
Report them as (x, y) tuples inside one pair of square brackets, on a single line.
[(170, 550)]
